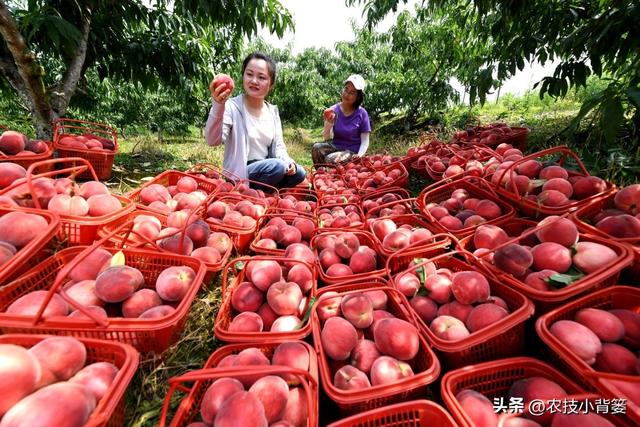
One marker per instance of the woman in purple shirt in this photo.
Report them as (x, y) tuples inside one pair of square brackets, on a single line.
[(346, 126)]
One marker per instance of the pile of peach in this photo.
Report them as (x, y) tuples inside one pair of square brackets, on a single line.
[(290, 203), (16, 144), (481, 411), (86, 142), (339, 216), (184, 195), (604, 339), (197, 240), (453, 305), (378, 209), (278, 234), (235, 213), (623, 220), (380, 160), (51, 383), (341, 254), (553, 249), (547, 185), (17, 229), (63, 196), (274, 295), (487, 135), (328, 183), (347, 195), (259, 400), (393, 237), (372, 346), (385, 199), (99, 286), (461, 210), (377, 179)]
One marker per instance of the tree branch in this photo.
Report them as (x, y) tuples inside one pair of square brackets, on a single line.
[(29, 71), (64, 90)]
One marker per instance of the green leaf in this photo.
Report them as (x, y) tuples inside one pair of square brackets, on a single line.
[(612, 117), (562, 280), (307, 314)]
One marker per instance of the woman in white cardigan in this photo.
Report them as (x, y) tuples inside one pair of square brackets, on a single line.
[(250, 127)]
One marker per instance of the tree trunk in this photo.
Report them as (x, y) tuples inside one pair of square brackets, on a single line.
[(26, 74)]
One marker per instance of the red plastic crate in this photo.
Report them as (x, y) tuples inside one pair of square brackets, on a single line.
[(146, 335), (502, 339), (365, 238), (127, 238), (110, 409), (494, 379), (189, 407), (415, 413), (425, 364), (547, 300), (614, 297), (359, 224), (34, 251), (476, 187), (166, 179), (101, 160), (226, 310), (75, 230), (402, 180), (409, 205), (532, 208)]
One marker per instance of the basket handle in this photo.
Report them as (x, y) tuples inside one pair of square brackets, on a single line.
[(73, 170), (175, 383), (64, 272), (403, 251)]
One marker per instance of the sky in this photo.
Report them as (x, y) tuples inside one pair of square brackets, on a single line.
[(322, 23)]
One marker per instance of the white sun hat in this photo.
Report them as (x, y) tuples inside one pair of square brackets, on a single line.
[(357, 80)]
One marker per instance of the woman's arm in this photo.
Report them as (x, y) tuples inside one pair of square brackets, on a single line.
[(218, 124), (364, 143), (327, 131)]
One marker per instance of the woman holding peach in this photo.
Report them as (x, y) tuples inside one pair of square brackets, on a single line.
[(346, 126), (250, 127)]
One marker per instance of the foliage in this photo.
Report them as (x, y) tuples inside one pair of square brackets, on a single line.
[(589, 37)]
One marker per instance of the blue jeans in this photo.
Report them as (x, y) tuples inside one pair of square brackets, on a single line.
[(274, 173)]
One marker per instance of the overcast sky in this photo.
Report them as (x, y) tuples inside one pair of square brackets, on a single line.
[(322, 23)]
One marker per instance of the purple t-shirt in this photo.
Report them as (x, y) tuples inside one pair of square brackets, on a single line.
[(347, 129)]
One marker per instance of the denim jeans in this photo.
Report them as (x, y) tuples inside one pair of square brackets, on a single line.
[(274, 173)]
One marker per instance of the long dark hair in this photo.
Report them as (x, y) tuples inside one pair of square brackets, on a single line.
[(271, 64), (359, 99)]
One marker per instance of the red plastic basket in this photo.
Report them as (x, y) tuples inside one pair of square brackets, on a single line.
[(614, 297), (34, 251), (189, 408), (407, 206), (420, 168), (494, 379), (226, 310), (111, 408), (288, 217), (415, 413), (101, 160), (26, 160), (146, 335), (533, 208), (241, 236), (547, 300), (76, 230), (365, 238), (402, 180), (425, 365), (169, 178), (128, 238), (476, 187), (502, 339)]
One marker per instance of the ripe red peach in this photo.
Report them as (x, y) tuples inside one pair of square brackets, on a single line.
[(357, 309), (616, 359), (328, 305), (12, 142), (139, 302), (397, 338), (246, 297), (96, 377), (488, 209), (10, 172), (553, 171), (158, 312), (339, 270), (588, 186), (294, 355), (20, 373), (350, 378), (385, 370), (529, 168), (537, 388), (273, 392), (551, 256), (604, 324), (469, 287), (363, 260), (425, 308), (103, 204), (578, 338), (478, 408), (631, 322), (513, 259), (346, 244), (559, 230), (29, 304), (620, 226), (484, 315), (591, 256), (284, 297), (263, 273), (62, 357), (489, 236), (287, 323), (537, 281), (92, 188), (339, 337), (448, 328), (241, 409), (20, 228), (215, 395), (627, 199)]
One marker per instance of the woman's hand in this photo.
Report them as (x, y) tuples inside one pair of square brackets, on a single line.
[(292, 168), (329, 116), (219, 92)]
